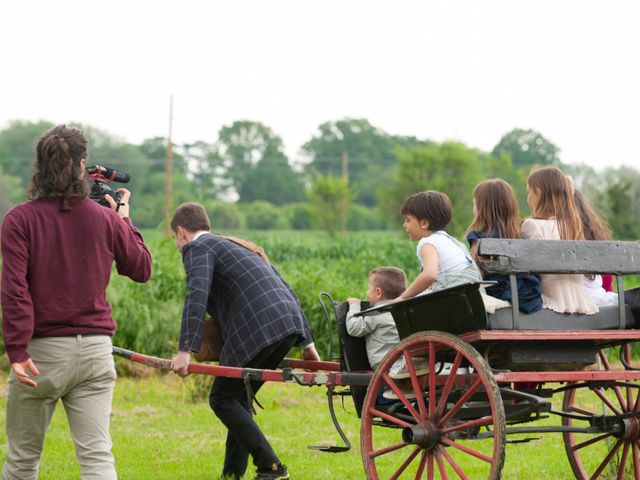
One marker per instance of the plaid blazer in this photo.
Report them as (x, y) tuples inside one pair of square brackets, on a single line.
[(250, 301)]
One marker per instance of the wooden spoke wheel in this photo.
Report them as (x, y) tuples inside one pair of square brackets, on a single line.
[(445, 413), (614, 451)]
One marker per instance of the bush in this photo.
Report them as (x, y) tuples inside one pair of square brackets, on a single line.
[(360, 217), (298, 215), (262, 215), (225, 215)]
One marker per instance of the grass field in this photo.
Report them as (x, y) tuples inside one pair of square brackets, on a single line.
[(159, 433)]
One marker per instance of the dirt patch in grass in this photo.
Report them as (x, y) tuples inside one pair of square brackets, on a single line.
[(287, 402), (142, 410)]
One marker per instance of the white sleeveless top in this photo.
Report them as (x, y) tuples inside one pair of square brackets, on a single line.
[(451, 258), (455, 264), (562, 293)]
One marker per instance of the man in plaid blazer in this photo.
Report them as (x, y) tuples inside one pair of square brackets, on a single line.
[(260, 319)]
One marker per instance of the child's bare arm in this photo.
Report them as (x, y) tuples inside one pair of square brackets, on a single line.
[(428, 275)]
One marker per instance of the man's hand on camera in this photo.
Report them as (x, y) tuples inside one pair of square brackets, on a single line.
[(181, 363), (20, 371), (122, 207)]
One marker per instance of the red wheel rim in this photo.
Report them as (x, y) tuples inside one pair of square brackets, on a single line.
[(434, 434), (604, 455)]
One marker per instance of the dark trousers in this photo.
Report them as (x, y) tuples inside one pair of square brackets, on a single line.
[(228, 400)]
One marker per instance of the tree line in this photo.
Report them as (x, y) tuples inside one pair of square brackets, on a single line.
[(354, 175)]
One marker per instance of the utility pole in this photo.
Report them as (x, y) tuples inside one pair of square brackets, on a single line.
[(345, 165), (168, 174), (345, 201)]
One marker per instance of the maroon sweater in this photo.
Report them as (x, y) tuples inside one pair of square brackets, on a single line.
[(56, 267)]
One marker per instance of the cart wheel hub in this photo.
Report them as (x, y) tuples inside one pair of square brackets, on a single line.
[(631, 429), (424, 434)]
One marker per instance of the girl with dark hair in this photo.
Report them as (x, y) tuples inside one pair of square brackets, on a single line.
[(57, 253), (496, 215)]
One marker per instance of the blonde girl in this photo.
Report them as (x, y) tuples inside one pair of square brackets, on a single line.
[(554, 216)]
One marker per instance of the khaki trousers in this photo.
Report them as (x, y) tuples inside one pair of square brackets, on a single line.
[(79, 371)]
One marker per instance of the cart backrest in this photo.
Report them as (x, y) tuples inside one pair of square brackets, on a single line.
[(511, 257), (497, 255)]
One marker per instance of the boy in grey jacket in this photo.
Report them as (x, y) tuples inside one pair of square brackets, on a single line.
[(380, 332)]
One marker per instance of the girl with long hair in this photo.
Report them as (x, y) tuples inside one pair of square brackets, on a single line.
[(595, 227), (554, 216), (496, 215)]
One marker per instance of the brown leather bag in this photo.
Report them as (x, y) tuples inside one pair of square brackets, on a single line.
[(212, 342)]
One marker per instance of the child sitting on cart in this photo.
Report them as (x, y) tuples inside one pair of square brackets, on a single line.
[(444, 260), (496, 215), (379, 330)]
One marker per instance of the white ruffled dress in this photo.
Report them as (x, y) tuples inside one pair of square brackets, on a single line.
[(562, 293)]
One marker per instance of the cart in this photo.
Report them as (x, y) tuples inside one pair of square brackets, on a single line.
[(487, 379)]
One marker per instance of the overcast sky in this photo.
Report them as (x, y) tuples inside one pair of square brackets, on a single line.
[(440, 70)]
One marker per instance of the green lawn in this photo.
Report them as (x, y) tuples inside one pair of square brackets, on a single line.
[(159, 433)]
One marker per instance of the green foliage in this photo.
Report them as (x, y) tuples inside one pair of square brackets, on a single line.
[(272, 180), (205, 167), (367, 151), (449, 167), (248, 159), (11, 192), (243, 144), (155, 149), (225, 215), (622, 201), (148, 315), (262, 215), (527, 148), (17, 148), (147, 203), (298, 215), (360, 217), (330, 197)]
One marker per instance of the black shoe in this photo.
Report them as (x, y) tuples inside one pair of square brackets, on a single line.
[(278, 472)]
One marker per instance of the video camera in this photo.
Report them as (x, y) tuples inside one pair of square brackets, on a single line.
[(101, 176)]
